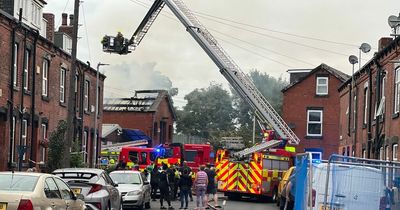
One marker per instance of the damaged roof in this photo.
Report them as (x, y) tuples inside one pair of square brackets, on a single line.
[(142, 101)]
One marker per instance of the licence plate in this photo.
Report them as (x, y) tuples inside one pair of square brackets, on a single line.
[(322, 207), (76, 191), (3, 206)]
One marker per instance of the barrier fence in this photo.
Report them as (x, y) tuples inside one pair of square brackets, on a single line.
[(347, 183)]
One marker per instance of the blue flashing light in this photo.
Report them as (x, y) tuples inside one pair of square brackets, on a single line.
[(158, 150)]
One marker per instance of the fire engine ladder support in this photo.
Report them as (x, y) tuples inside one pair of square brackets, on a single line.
[(242, 84), (259, 147), (146, 23)]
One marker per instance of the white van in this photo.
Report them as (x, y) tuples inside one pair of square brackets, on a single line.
[(351, 187)]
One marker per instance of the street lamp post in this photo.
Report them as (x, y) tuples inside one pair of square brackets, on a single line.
[(353, 60), (96, 114)]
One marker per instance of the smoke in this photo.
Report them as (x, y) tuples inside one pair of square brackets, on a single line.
[(123, 79)]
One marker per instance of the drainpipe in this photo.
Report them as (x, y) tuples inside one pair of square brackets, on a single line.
[(33, 136), (11, 99), (369, 143), (378, 97), (21, 107)]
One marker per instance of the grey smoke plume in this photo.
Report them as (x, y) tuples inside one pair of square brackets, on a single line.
[(123, 79)]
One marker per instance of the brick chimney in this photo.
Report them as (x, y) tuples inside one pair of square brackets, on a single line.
[(50, 26), (384, 42), (64, 19), (65, 28), (71, 19)]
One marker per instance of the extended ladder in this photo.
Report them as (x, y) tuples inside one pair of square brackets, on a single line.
[(257, 148)]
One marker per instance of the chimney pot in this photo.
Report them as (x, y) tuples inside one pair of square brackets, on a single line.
[(71, 19), (64, 19)]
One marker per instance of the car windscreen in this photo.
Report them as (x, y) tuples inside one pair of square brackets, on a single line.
[(126, 178), (85, 177), (12, 182)]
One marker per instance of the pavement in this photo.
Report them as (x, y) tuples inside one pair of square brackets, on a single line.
[(245, 203)]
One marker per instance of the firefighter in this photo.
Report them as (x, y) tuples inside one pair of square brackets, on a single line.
[(164, 187)]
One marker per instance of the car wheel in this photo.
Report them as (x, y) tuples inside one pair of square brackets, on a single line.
[(147, 205)]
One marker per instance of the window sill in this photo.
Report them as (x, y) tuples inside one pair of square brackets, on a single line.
[(314, 137), (364, 126), (15, 88), (86, 112), (63, 104), (395, 115), (321, 96), (45, 98), (27, 92)]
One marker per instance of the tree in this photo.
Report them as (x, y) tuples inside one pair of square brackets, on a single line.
[(270, 88), (56, 146), (76, 156), (208, 112)]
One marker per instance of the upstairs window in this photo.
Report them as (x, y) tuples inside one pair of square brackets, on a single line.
[(45, 76), (397, 91), (62, 85), (322, 86), (314, 122), (26, 70), (15, 65), (394, 152), (86, 96)]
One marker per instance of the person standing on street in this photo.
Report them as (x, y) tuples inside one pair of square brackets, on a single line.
[(164, 187), (211, 188), (288, 192), (185, 185), (154, 180), (185, 166), (201, 182)]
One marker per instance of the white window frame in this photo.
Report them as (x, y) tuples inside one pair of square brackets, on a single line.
[(44, 136), (24, 135), (395, 148), (45, 77), (26, 70), (354, 112), (397, 91), (364, 153), (381, 153), (365, 105), (84, 145), (387, 152), (14, 122), (86, 96), (314, 122), (62, 85), (319, 85), (15, 65)]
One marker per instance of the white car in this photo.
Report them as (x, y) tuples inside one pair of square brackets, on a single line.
[(134, 188)]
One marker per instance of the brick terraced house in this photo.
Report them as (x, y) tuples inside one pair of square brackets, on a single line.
[(35, 64)]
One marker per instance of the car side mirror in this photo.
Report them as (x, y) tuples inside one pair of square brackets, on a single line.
[(115, 184), (146, 183)]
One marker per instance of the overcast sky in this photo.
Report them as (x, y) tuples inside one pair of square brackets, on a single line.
[(269, 35)]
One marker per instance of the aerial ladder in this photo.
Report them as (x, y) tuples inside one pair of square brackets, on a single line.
[(265, 113)]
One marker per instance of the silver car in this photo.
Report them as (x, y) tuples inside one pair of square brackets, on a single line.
[(22, 190), (134, 187), (95, 185)]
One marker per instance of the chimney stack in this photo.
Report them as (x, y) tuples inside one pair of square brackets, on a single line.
[(384, 42), (50, 26), (64, 19), (71, 19)]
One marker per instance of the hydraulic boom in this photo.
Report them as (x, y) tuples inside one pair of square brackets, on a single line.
[(228, 68)]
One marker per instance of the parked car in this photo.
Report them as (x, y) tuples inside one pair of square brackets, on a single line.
[(134, 187), (95, 185), (283, 182), (22, 190)]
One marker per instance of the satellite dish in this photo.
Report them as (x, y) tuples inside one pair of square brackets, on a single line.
[(353, 59), (393, 21), (365, 47)]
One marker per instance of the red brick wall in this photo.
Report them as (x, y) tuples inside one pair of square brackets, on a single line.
[(144, 121), (49, 108), (295, 102)]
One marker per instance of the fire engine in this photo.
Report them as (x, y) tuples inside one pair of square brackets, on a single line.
[(259, 156), (171, 154)]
